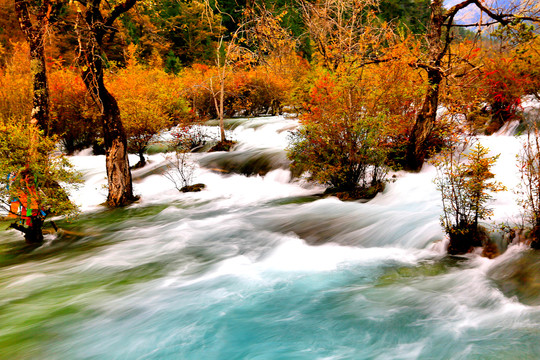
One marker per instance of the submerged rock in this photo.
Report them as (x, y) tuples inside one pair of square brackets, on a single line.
[(358, 193), (193, 188), (246, 162), (490, 250), (519, 276), (226, 145)]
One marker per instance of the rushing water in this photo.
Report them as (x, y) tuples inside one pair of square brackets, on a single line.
[(264, 268)]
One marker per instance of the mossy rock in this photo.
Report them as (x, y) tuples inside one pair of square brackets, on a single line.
[(358, 193), (226, 145), (490, 250), (519, 276), (193, 188), (464, 239)]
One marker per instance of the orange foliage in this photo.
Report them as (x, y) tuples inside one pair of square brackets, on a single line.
[(149, 102), (16, 84), (248, 92), (73, 114)]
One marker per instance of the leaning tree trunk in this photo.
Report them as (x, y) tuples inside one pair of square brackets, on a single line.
[(222, 110), (34, 34), (425, 120), (116, 155), (90, 33), (115, 140), (426, 116)]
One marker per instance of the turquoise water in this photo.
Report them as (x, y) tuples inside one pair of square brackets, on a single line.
[(262, 268)]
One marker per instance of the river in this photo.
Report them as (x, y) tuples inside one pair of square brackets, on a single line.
[(262, 267)]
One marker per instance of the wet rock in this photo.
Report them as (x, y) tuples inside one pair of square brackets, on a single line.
[(490, 250), (193, 188), (248, 163), (358, 193), (226, 145), (519, 276), (463, 240)]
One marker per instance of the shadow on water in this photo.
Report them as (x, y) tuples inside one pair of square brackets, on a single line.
[(428, 268)]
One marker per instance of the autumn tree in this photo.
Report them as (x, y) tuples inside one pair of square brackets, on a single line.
[(229, 52), (279, 66), (466, 184), (338, 144), (529, 168), (30, 174), (94, 21), (343, 31), (438, 39), (16, 84), (510, 73), (341, 140)]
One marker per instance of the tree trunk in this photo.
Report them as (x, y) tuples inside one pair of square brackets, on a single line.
[(142, 160), (90, 35), (425, 120), (116, 156), (34, 34), (221, 107), (33, 235), (426, 116), (115, 143), (40, 102)]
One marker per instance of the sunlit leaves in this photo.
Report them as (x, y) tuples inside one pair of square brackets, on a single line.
[(466, 184), (23, 147), (149, 101)]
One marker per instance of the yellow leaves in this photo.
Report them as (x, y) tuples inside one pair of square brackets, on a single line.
[(16, 84), (131, 55), (149, 101)]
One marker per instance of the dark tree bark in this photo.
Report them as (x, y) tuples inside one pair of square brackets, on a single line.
[(438, 42), (33, 235), (92, 26), (425, 118), (34, 33), (33, 18)]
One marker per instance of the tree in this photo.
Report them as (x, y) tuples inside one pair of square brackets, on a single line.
[(228, 54), (339, 143), (191, 34), (466, 182), (346, 128), (30, 174), (34, 32), (180, 167), (411, 14), (529, 168), (438, 39), (349, 159), (16, 84), (344, 31), (93, 23)]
